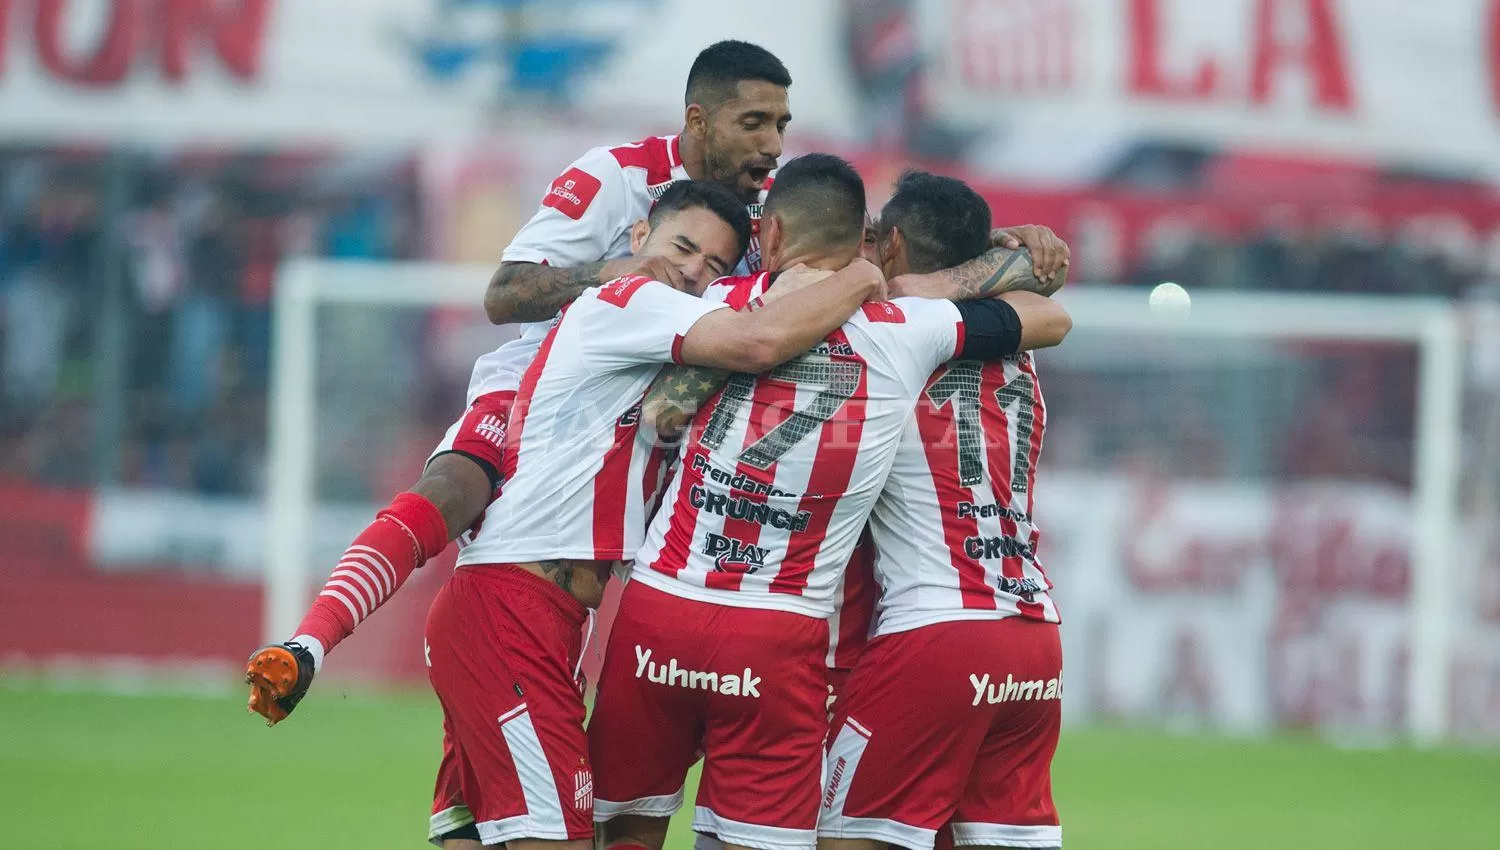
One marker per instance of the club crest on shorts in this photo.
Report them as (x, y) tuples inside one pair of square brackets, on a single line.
[(583, 788)]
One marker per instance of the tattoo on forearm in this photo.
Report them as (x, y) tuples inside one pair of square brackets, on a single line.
[(995, 272), (528, 292), (560, 572), (677, 393)]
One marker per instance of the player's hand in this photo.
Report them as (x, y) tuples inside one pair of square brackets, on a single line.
[(1049, 253), (790, 280), (656, 268), (279, 676), (865, 270)]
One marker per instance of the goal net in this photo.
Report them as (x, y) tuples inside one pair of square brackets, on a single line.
[(1256, 513)]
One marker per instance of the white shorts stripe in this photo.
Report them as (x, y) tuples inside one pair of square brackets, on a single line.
[(380, 565), (842, 762), (339, 595), (879, 829), (538, 786), (354, 596), (662, 806), (994, 834), (446, 821), (753, 835)]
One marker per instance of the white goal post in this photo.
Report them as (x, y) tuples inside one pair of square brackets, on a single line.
[(1432, 326)]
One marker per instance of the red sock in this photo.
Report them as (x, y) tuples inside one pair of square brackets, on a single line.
[(403, 536)]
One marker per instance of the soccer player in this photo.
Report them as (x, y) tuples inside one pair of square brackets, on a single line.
[(734, 121), (580, 237), (965, 618), (722, 632), (503, 636)]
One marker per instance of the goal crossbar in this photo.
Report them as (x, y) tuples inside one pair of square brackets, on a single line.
[(1430, 324)]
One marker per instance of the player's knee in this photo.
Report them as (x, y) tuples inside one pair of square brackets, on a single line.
[(544, 844), (458, 487), (850, 844), (631, 832)]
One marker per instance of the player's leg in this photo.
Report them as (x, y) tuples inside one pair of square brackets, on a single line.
[(1008, 800), (502, 646), (459, 487), (629, 832), (764, 728), (452, 823), (460, 480), (643, 737), (897, 765)]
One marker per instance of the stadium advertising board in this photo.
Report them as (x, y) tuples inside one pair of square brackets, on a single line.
[(1338, 76), (1035, 76), (1236, 607), (1244, 607)]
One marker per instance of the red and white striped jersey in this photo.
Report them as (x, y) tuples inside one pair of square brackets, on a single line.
[(781, 469), (855, 597), (578, 474), (953, 528), (852, 623), (586, 217)]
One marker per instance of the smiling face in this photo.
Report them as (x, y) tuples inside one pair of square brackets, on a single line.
[(698, 242), (742, 137)]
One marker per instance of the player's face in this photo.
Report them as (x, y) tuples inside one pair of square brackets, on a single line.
[(700, 244), (744, 136), (869, 248)]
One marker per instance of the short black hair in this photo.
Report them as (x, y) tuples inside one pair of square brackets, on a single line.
[(687, 194), (944, 221), (821, 199), (722, 66)]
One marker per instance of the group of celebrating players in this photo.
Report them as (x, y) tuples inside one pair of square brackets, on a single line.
[(808, 442)]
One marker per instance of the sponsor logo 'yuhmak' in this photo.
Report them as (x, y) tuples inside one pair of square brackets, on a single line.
[(729, 684), (749, 510), (1012, 690)]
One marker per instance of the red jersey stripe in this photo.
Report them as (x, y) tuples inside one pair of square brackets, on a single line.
[(772, 403), (939, 430), (611, 487), (510, 448), (833, 466), (995, 427)]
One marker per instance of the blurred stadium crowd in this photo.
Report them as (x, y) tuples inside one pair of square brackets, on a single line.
[(174, 350), (191, 243)]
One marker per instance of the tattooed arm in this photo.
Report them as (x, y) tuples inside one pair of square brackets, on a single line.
[(676, 394), (531, 292), (993, 273)]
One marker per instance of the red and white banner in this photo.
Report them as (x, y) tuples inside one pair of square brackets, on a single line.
[(1348, 78), (1243, 607)]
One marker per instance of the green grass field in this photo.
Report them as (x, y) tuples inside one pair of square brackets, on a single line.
[(88, 770)]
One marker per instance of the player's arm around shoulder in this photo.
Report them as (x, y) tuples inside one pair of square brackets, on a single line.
[(560, 251), (1044, 322), (786, 327), (992, 328)]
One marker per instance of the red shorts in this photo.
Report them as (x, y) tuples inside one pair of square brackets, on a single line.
[(502, 649), (975, 748), (743, 686)]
